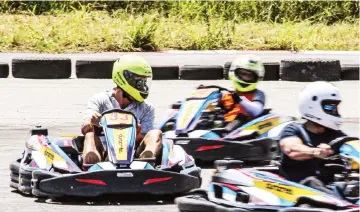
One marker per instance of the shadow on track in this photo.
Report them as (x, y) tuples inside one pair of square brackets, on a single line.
[(110, 200)]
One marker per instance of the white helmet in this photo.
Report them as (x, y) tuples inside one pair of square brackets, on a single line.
[(319, 103)]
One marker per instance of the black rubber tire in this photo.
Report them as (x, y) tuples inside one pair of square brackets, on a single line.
[(272, 71), (14, 173), (350, 72), (194, 72), (165, 72), (14, 185), (226, 69), (4, 70), (41, 68), (195, 203), (310, 70), (94, 69), (14, 177), (25, 180), (15, 166)]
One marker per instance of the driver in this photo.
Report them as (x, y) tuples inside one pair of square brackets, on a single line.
[(132, 76), (245, 73), (303, 145)]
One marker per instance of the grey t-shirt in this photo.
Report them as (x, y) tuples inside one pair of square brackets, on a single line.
[(103, 101)]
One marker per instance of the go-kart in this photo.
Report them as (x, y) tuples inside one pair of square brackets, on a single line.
[(53, 169), (234, 188), (197, 124)]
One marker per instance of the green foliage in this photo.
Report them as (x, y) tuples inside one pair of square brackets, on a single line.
[(77, 26), (327, 12)]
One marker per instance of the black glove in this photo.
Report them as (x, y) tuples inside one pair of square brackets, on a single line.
[(236, 98)]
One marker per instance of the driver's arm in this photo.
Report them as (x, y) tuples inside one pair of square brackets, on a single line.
[(292, 145), (93, 107), (294, 148)]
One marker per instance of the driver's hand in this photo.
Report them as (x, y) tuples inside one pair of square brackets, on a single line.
[(95, 118), (323, 151)]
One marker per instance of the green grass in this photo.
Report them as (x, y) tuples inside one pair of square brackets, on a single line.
[(68, 27)]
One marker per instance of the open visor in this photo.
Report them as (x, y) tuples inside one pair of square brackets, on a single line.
[(246, 75), (141, 83)]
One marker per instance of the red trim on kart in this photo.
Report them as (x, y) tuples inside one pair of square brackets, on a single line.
[(232, 187), (204, 148), (90, 181), (156, 180)]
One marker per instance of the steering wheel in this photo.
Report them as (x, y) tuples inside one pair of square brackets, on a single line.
[(338, 142), (333, 164), (220, 89)]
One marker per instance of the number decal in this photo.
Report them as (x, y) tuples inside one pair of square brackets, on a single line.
[(118, 118)]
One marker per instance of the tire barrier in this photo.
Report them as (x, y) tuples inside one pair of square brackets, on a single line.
[(41, 68), (310, 70), (94, 69), (272, 71), (286, 70), (226, 70), (4, 70), (102, 69), (350, 72), (165, 72), (194, 72)]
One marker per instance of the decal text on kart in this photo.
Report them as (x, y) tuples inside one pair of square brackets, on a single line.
[(279, 188), (269, 124), (49, 154), (120, 141)]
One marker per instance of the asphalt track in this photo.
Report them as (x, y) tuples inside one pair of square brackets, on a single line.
[(59, 105)]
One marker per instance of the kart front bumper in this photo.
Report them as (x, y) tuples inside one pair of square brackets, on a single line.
[(113, 182)]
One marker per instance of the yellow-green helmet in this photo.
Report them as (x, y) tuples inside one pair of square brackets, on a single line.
[(246, 64), (133, 74)]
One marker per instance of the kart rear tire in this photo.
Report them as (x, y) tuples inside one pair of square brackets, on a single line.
[(14, 177), (14, 185), (14, 173), (15, 166), (25, 180)]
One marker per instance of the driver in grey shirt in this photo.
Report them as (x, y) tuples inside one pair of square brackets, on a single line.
[(132, 76)]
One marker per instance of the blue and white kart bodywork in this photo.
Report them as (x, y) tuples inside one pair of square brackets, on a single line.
[(55, 169), (192, 124)]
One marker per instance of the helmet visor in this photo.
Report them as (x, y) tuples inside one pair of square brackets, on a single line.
[(140, 83), (331, 107), (246, 75)]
